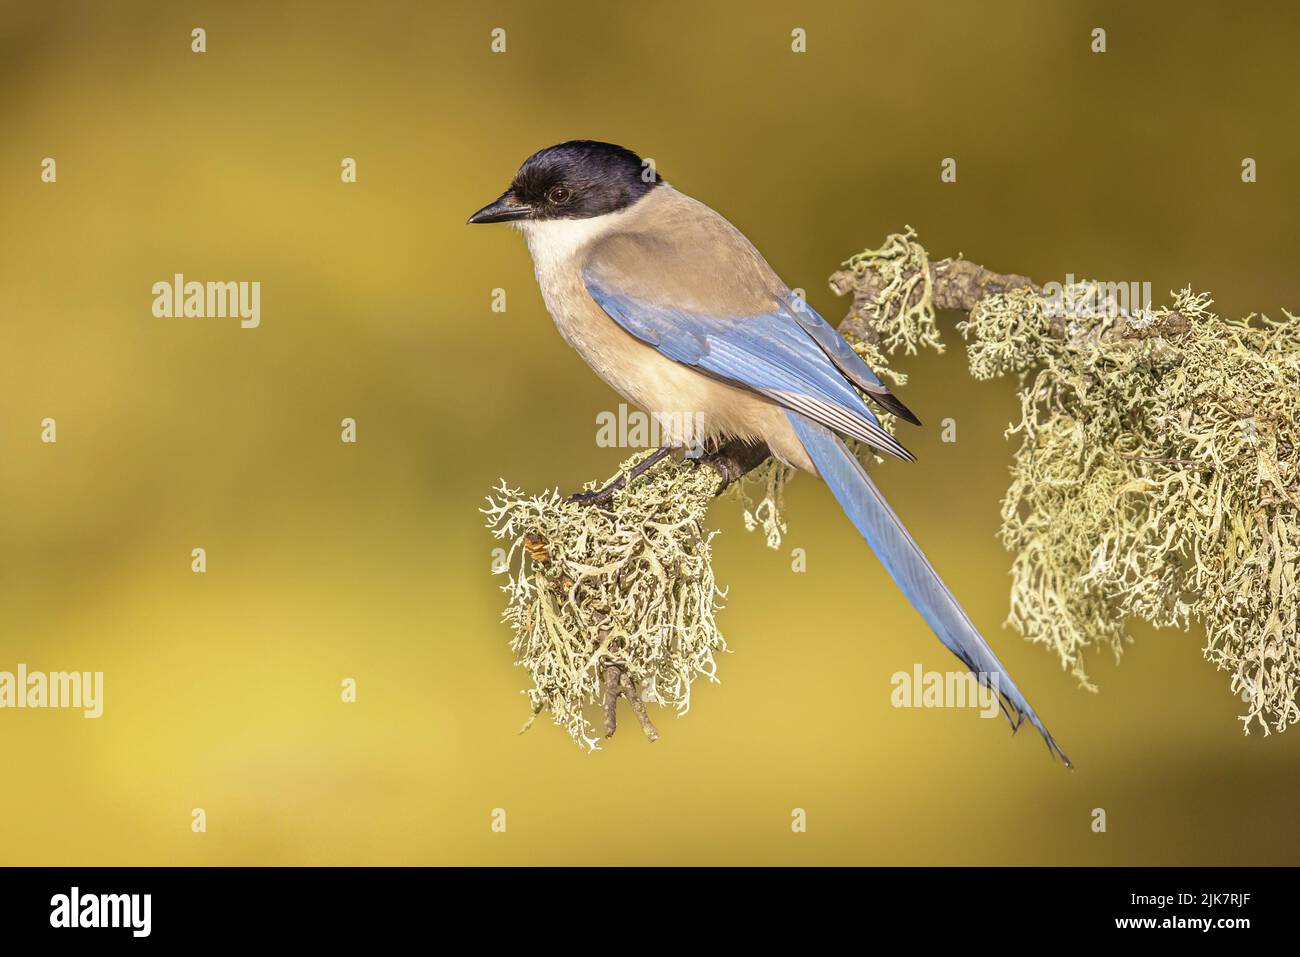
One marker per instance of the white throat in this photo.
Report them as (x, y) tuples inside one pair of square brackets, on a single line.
[(554, 242)]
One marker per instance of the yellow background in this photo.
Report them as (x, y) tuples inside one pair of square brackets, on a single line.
[(327, 560)]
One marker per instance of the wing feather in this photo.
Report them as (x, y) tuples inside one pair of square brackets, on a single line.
[(772, 353)]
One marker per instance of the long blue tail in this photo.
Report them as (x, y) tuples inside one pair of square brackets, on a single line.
[(902, 558)]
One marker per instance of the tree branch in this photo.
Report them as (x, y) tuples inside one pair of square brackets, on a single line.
[(1157, 479)]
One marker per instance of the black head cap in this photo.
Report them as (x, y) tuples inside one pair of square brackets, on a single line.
[(574, 180)]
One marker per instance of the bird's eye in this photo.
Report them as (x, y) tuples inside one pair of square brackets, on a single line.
[(559, 195)]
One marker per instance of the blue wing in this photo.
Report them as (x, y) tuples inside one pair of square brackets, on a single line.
[(772, 353), (848, 361), (910, 569)]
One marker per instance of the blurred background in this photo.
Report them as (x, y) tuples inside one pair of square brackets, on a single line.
[(328, 561)]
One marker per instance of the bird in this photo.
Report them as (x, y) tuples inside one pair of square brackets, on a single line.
[(674, 308)]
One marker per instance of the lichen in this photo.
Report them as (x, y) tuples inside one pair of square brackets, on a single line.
[(768, 513), (1157, 476), (902, 314), (632, 586), (1156, 479)]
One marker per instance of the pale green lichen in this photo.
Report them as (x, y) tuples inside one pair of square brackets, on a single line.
[(632, 586), (903, 313), (768, 513), (1157, 476)]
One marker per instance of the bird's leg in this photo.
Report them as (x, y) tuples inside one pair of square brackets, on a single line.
[(735, 459), (619, 682), (603, 496)]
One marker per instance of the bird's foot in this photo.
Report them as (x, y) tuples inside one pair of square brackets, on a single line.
[(619, 683), (602, 497)]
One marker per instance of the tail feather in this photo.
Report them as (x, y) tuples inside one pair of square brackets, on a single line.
[(892, 403), (910, 569)]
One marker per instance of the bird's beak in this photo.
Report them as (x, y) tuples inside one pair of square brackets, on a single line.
[(507, 209)]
